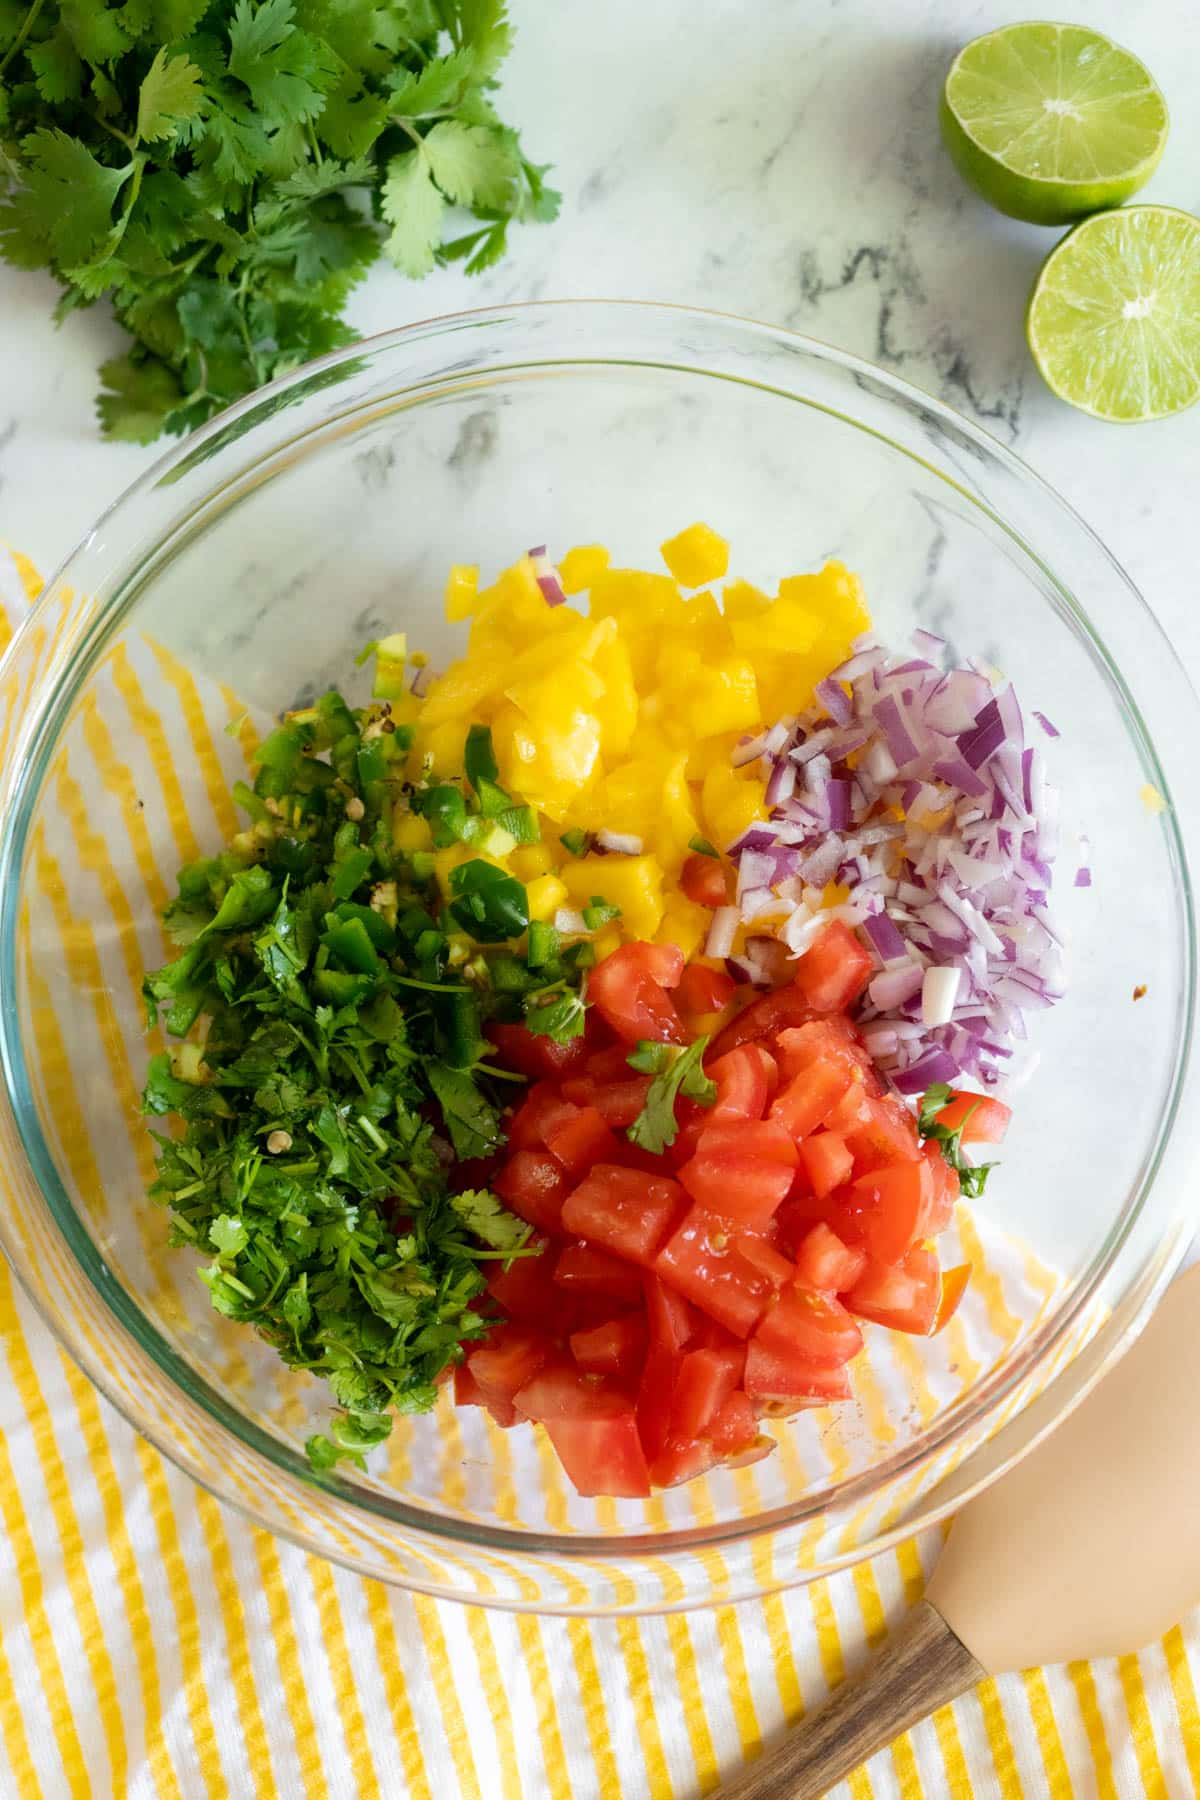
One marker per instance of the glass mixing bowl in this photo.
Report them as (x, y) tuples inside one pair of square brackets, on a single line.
[(247, 569)]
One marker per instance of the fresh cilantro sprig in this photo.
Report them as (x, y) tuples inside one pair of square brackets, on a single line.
[(675, 1072), (226, 171), (972, 1177), (330, 1020)]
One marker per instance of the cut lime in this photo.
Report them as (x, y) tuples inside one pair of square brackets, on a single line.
[(1114, 317), (1052, 122)]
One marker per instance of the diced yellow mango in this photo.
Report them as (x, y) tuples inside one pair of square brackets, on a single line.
[(528, 861), (696, 556), (462, 591), (607, 940), (684, 923), (547, 759), (446, 861), (741, 600), (676, 825), (459, 692), (545, 894), (634, 883), (731, 801), (835, 595), (618, 706), (787, 627), (410, 832), (580, 567), (443, 744), (722, 697)]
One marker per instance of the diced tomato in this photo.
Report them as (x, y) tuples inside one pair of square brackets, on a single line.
[(811, 1325), (617, 1102), (853, 1109), (885, 1133), (823, 1261), (946, 1188), (836, 968), (763, 1017), (511, 1356), (676, 1463), (534, 1055), (903, 1296), (525, 1290), (672, 1322), (581, 1139), (704, 990), (471, 1172), (629, 990), (602, 1455), (534, 1184), (983, 1120), (610, 1064), (954, 1285), (466, 1388), (703, 879), (714, 1267), (829, 1039), (742, 1170), (584, 1270), (705, 1380), (559, 1390), (809, 1097), (742, 1083), (690, 1120), (539, 1112), (624, 1210), (617, 1347), (826, 1161), (774, 1374), (735, 1425), (887, 1210)]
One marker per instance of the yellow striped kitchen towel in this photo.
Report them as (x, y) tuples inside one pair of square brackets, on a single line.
[(155, 1646)]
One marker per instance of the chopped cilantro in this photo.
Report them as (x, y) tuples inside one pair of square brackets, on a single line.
[(972, 1177), (675, 1072)]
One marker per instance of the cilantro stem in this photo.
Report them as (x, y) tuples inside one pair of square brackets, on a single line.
[(30, 21)]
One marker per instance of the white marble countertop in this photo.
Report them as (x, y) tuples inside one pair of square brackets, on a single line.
[(781, 161)]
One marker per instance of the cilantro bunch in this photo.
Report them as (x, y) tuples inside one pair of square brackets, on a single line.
[(226, 173), (330, 1018), (972, 1176)]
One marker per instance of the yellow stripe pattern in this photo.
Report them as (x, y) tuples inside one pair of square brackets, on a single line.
[(157, 1646)]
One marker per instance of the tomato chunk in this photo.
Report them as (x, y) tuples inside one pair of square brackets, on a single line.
[(617, 1102), (903, 1296), (763, 1017), (629, 991), (624, 1210), (830, 1039), (526, 1289), (743, 1083), (812, 1325), (617, 1347), (826, 1161), (467, 1391), (823, 1261), (885, 1132), (580, 1138), (834, 970), (783, 1375), (729, 1277), (676, 1463), (705, 1381), (704, 880), (671, 1320), (534, 1055), (735, 1425), (887, 1210), (534, 1184), (510, 1357), (954, 1285), (704, 990), (809, 1097), (743, 1171), (541, 1110), (584, 1270), (983, 1120)]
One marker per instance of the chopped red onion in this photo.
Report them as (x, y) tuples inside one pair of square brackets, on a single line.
[(782, 783), (898, 740), (1050, 730), (547, 578), (928, 641), (722, 931), (894, 986), (619, 843), (939, 991), (886, 938), (419, 686), (836, 701), (570, 924)]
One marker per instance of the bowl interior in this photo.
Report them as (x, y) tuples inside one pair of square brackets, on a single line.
[(246, 576)]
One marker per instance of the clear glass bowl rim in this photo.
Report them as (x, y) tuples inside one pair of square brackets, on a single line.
[(50, 702)]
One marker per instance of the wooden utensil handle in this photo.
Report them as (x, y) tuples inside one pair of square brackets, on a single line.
[(921, 1667)]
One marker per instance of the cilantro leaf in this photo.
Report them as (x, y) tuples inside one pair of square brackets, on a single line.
[(489, 1219), (287, 71), (471, 1120), (471, 165), (675, 1072), (171, 92), (413, 207), (137, 399), (67, 198), (561, 1017)]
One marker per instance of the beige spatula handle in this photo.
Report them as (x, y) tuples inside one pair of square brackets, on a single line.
[(921, 1667)]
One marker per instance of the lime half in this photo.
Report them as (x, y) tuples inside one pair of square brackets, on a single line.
[(1114, 317), (1052, 122)]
